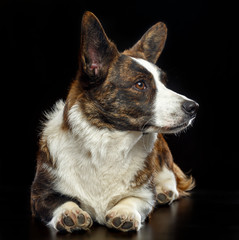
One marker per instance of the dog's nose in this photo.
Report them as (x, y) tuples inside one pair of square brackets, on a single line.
[(190, 107)]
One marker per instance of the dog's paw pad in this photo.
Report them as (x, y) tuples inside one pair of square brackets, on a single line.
[(162, 198), (123, 225), (68, 221), (166, 197), (60, 227), (81, 219), (127, 225), (123, 220), (73, 220), (116, 222)]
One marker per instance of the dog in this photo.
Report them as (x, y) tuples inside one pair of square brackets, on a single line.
[(102, 156)]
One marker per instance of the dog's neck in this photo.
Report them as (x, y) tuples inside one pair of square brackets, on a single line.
[(105, 143)]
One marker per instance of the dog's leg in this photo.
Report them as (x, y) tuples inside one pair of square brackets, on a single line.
[(170, 182), (166, 186), (128, 214), (59, 211)]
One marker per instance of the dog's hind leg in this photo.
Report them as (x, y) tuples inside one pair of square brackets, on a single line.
[(170, 182)]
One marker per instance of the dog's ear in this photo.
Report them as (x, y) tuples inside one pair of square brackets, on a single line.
[(151, 45), (97, 51)]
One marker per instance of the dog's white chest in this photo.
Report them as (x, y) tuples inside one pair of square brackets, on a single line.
[(97, 178)]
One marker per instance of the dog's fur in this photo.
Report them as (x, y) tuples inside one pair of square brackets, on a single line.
[(102, 156)]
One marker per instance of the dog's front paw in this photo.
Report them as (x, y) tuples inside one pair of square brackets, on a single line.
[(69, 217), (124, 219)]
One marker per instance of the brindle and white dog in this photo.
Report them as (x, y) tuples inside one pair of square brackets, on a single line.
[(102, 156)]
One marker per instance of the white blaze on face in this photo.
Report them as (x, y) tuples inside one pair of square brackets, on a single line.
[(168, 112)]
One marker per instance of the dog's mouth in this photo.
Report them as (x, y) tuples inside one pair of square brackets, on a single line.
[(176, 128), (179, 127)]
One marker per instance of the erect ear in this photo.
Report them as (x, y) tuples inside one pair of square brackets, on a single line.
[(151, 45), (97, 51)]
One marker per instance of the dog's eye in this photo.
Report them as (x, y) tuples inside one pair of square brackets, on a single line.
[(140, 85)]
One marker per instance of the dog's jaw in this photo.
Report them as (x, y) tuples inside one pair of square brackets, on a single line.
[(181, 127)]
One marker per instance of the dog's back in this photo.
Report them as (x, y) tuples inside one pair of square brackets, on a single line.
[(102, 156)]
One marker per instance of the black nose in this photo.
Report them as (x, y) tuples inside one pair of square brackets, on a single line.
[(190, 107)]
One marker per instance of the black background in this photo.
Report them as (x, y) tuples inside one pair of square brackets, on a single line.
[(39, 52)]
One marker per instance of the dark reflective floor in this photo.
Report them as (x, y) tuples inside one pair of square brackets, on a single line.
[(205, 215)]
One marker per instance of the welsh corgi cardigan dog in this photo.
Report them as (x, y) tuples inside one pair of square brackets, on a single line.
[(102, 156)]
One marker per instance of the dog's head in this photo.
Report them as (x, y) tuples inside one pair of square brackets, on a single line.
[(126, 91)]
